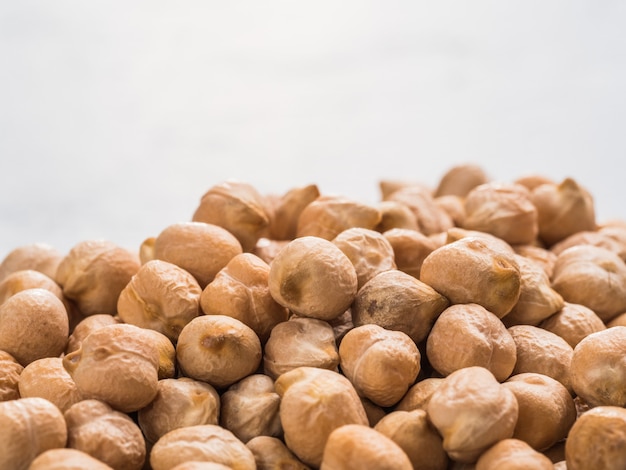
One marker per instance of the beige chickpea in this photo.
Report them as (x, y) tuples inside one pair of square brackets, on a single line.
[(270, 453), (469, 335), (598, 370), (410, 248), (166, 351), (619, 320), (241, 290), (201, 443), (33, 324), (369, 251), (397, 301), (617, 232), (357, 446), (313, 278), (513, 454), (29, 427), (504, 210), (597, 440), (573, 323), (454, 206), (67, 459), (236, 206), (286, 211), (86, 326), (431, 218), (419, 394), (37, 256), (459, 180), (47, 378), (146, 250), (594, 238), (543, 257), (267, 249), (546, 409), (10, 371), (381, 364), (314, 402), (329, 215), (469, 270), (93, 274), (250, 408), (472, 411), (106, 434), (417, 437), (562, 210), (126, 357), (18, 281), (178, 403), (389, 186), (592, 276), (160, 296), (532, 180), (201, 249), (394, 215), (373, 411), (193, 465), (299, 342), (218, 349), (542, 352)]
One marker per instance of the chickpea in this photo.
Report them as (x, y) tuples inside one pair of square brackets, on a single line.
[(160, 296), (287, 209), (47, 378), (431, 218), (240, 290), (66, 459), (270, 453), (469, 335), (267, 249), (105, 434), (410, 248), (542, 257), (86, 326), (217, 349), (381, 364), (573, 323), (36, 256), (192, 465), (314, 402), (594, 238), (10, 371), (33, 324), (179, 403), (299, 342), (460, 180), (418, 395), (454, 206), (202, 443), (29, 427), (313, 278), (395, 215), (387, 187), (513, 454), (18, 281), (597, 440), (201, 249), (146, 250), (94, 273)]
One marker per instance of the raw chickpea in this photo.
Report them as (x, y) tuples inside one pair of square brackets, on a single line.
[(381, 364), (160, 296), (470, 271), (598, 370), (217, 349), (267, 249), (203, 443), (397, 301), (493, 242), (191, 465), (472, 411), (573, 323), (249, 408), (18, 281), (37, 256), (531, 181), (313, 278), (395, 215), (369, 251), (503, 210), (357, 446), (460, 180), (10, 371), (124, 355), (562, 210), (513, 454), (270, 453), (236, 206), (617, 232), (86, 326), (240, 290), (541, 256), (166, 350), (29, 427), (431, 218), (94, 273), (387, 187), (328, 216), (47, 378), (469, 335), (178, 403), (417, 437), (542, 352), (314, 402), (597, 440), (619, 320), (374, 412), (546, 409), (454, 206), (201, 249), (341, 325), (67, 459), (287, 209), (33, 324), (595, 238), (146, 250), (107, 435), (299, 342), (594, 277), (410, 248), (418, 396)]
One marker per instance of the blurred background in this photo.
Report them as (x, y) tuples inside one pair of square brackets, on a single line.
[(115, 117)]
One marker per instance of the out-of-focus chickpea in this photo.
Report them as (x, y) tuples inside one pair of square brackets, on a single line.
[(418, 395), (410, 248), (539, 255), (270, 453), (267, 249), (283, 223), (594, 238), (454, 206), (431, 218), (10, 371), (573, 323), (66, 459), (513, 454), (37, 256), (47, 378), (395, 215), (459, 180)]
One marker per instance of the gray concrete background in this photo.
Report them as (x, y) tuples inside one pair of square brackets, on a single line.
[(116, 116)]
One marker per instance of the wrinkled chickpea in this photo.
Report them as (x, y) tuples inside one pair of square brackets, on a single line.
[(513, 454), (418, 395), (10, 371), (431, 218), (286, 210), (270, 453), (460, 180), (86, 326), (394, 215), (410, 248), (18, 281), (36, 256), (67, 459), (47, 378), (573, 323)]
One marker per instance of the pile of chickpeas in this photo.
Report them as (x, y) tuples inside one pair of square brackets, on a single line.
[(477, 324)]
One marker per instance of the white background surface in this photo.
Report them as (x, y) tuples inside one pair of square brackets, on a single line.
[(115, 117)]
